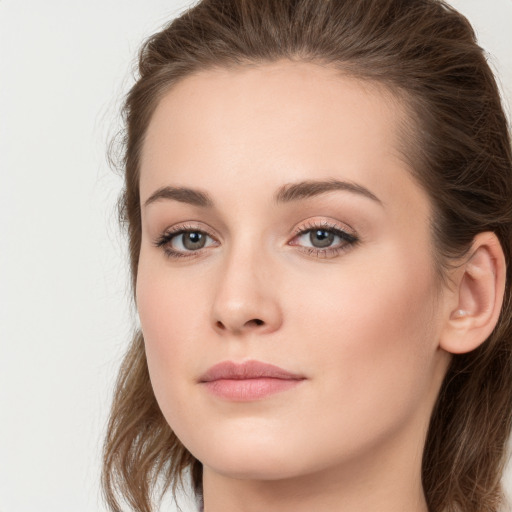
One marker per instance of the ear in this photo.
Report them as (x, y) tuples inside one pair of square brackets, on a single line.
[(475, 301)]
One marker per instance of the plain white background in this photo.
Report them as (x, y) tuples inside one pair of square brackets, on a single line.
[(65, 315)]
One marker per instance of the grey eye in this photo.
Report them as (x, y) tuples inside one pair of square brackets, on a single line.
[(190, 241), (193, 240), (328, 238), (321, 238)]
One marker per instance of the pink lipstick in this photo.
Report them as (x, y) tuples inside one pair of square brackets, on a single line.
[(251, 380)]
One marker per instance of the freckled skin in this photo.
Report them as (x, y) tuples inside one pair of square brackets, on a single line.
[(361, 325)]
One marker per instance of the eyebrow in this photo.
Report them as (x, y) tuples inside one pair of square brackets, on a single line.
[(285, 194), (311, 188), (183, 195)]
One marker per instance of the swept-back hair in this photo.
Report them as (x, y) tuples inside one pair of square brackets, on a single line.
[(458, 147)]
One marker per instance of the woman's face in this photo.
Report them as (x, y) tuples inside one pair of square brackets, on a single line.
[(280, 225)]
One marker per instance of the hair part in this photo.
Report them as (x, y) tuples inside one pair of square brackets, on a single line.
[(457, 144)]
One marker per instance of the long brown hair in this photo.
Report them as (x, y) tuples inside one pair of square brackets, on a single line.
[(425, 53)]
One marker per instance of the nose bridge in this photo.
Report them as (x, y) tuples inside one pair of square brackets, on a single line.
[(245, 296)]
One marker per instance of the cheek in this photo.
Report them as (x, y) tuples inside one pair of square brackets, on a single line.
[(170, 316), (171, 303), (361, 330), (371, 335)]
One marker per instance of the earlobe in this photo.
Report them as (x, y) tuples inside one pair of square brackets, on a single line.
[(478, 294)]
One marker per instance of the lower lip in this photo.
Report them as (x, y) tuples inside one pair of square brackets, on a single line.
[(245, 390)]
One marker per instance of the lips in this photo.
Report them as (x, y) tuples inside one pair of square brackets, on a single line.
[(248, 370), (251, 380)]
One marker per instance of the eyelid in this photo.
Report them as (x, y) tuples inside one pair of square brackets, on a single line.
[(183, 228), (163, 240), (348, 238), (325, 224)]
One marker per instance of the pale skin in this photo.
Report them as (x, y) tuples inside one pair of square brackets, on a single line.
[(363, 319)]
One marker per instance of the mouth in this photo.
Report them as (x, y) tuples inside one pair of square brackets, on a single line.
[(251, 380)]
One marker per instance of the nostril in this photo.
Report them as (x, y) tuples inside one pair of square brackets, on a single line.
[(255, 322)]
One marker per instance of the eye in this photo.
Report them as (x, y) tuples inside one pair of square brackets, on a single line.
[(320, 238), (184, 242), (324, 240), (189, 241)]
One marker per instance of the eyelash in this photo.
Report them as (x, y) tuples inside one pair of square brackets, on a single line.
[(164, 240), (349, 240)]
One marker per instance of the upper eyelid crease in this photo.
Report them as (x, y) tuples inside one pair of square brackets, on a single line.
[(285, 194), (351, 239), (324, 224), (179, 230), (310, 226)]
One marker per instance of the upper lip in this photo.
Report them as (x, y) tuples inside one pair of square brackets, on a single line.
[(247, 370)]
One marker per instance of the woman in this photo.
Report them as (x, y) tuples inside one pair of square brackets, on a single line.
[(319, 206)]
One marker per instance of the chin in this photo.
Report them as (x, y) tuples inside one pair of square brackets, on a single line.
[(247, 459), (253, 468)]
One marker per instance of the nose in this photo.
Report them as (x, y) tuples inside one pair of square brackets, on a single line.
[(246, 297)]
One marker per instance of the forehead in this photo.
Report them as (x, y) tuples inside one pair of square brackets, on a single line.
[(273, 123)]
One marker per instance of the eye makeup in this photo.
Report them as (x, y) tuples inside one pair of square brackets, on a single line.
[(175, 235), (321, 239), (323, 234)]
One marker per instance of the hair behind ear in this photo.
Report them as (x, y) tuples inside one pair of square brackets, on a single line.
[(459, 147), (465, 453)]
